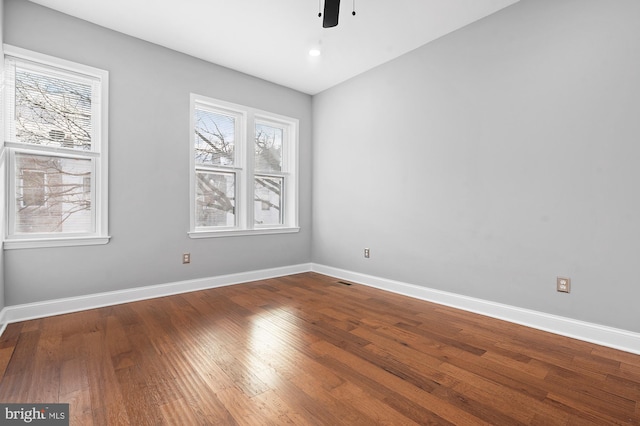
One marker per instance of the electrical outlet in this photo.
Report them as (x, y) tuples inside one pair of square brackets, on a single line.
[(366, 253), (563, 285), (186, 258)]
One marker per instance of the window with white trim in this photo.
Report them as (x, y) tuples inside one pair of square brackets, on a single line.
[(243, 170), (55, 121)]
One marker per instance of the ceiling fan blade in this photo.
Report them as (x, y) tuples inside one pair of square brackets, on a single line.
[(331, 11)]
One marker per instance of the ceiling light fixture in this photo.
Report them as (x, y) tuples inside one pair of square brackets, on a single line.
[(314, 52), (331, 12)]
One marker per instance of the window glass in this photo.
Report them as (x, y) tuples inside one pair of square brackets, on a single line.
[(51, 195), (215, 199), (214, 138), (268, 200), (268, 148), (52, 111)]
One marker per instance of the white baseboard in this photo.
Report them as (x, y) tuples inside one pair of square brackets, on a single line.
[(74, 304), (602, 335)]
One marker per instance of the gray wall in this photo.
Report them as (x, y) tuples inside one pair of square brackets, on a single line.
[(493, 160), (149, 166)]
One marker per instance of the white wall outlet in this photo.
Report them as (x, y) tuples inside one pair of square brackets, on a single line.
[(366, 253), (563, 285), (186, 258)]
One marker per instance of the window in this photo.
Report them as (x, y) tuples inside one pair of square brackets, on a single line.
[(55, 137), (244, 170)]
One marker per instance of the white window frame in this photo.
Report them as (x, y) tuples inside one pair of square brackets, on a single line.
[(71, 71), (243, 168)]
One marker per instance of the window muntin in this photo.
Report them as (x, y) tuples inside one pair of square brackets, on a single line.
[(55, 138), (233, 193)]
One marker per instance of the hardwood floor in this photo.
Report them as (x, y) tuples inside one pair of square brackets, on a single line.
[(307, 350)]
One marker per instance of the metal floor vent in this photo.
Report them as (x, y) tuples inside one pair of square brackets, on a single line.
[(344, 283)]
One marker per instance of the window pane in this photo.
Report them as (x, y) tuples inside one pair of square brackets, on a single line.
[(52, 194), (268, 148), (214, 138), (52, 111), (215, 199), (33, 193), (268, 200)]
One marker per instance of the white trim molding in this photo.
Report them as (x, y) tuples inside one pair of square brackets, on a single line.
[(615, 338), (54, 242), (48, 308), (3, 321)]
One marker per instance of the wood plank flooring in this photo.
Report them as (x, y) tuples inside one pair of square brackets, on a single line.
[(307, 350)]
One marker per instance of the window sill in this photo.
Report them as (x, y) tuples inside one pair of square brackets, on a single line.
[(54, 242), (242, 232)]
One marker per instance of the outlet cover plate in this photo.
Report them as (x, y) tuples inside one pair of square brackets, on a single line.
[(563, 285)]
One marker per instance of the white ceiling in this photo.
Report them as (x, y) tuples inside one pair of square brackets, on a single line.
[(271, 39)]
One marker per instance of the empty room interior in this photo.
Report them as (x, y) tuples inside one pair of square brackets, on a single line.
[(300, 212)]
